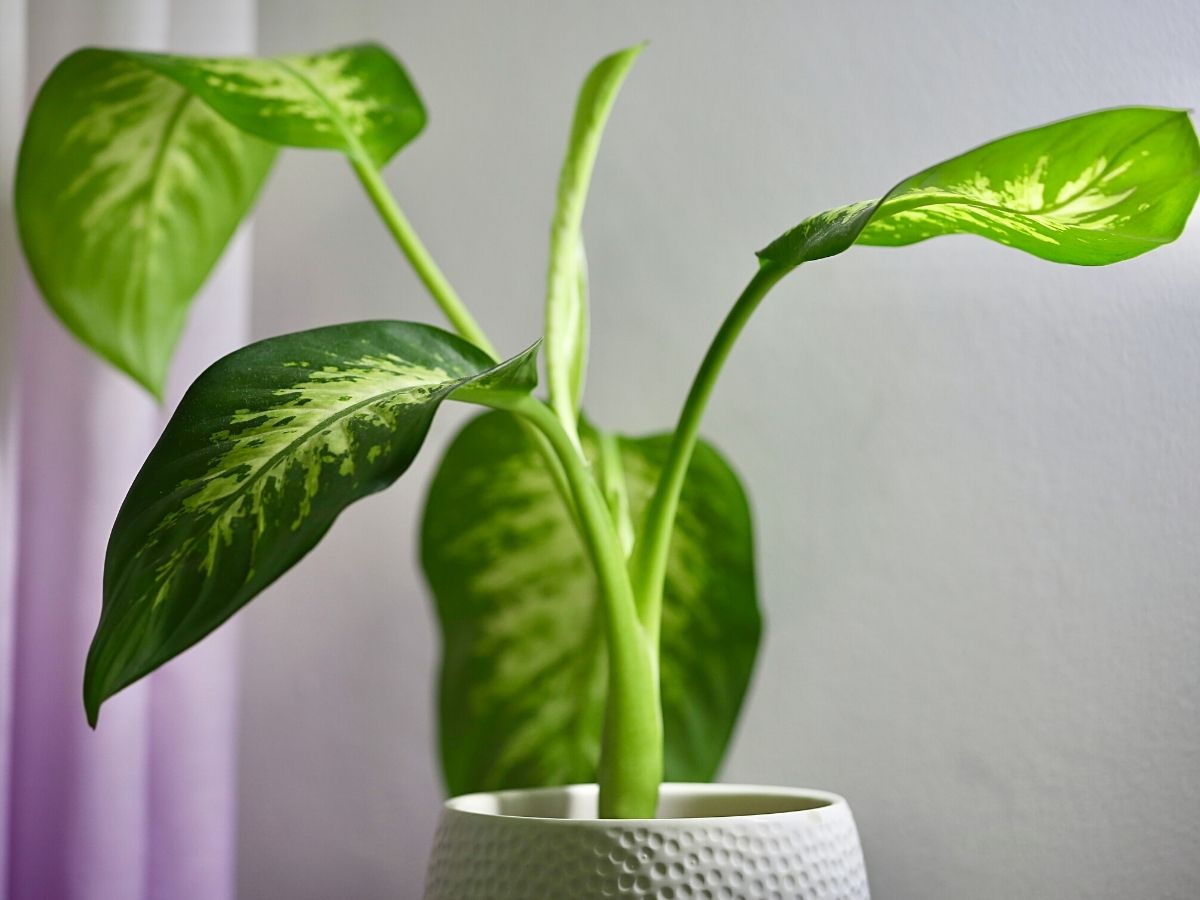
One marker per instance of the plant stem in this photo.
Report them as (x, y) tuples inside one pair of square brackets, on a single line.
[(427, 270), (446, 297), (611, 473), (648, 565), (631, 752)]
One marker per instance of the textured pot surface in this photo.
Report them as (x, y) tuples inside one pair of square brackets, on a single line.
[(712, 841)]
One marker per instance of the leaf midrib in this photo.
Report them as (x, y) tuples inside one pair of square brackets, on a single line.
[(242, 486), (146, 235), (324, 424), (1045, 211), (357, 150)]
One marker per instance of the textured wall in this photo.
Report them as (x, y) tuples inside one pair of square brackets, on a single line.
[(975, 473)]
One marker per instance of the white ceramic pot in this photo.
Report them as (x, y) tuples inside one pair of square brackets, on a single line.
[(712, 841)]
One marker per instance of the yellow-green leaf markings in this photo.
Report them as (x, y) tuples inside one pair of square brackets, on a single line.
[(1091, 190), (136, 168), (127, 191), (266, 448), (524, 668), (358, 100)]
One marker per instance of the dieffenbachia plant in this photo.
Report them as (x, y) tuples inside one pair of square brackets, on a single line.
[(596, 592)]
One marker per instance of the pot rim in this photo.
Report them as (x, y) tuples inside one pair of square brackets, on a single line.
[(808, 800)]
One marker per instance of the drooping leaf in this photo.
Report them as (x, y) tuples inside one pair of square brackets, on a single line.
[(1092, 190), (267, 447), (523, 669), (127, 191), (136, 169), (358, 99), (566, 281)]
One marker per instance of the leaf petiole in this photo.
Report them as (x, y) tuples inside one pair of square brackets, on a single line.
[(648, 564), (446, 297), (611, 473), (414, 250), (631, 752)]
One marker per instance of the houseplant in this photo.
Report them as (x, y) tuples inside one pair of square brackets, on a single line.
[(272, 442)]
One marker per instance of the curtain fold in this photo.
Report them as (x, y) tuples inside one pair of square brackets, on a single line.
[(12, 105), (145, 806)]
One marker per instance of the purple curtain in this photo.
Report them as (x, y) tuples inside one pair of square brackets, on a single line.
[(145, 806)]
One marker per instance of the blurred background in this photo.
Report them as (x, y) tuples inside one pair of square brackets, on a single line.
[(974, 474)]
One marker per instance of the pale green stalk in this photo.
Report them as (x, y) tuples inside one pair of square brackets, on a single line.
[(631, 752), (427, 270), (566, 330), (612, 483), (648, 565), (631, 755), (447, 298)]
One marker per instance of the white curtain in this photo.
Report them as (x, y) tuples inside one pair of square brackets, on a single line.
[(144, 807)]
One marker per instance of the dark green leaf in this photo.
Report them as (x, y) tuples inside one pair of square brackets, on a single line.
[(523, 668), (1091, 190), (267, 447)]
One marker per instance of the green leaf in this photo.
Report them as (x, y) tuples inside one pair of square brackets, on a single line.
[(566, 281), (1092, 190), (358, 99), (523, 669), (127, 191), (267, 447), (136, 169)]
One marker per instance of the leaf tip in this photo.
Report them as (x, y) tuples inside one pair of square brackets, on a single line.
[(156, 391), (91, 703), (155, 387), (632, 52), (95, 691), (626, 56)]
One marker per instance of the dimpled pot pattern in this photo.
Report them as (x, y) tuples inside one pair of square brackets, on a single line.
[(714, 842)]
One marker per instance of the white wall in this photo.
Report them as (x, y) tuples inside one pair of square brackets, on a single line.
[(975, 473)]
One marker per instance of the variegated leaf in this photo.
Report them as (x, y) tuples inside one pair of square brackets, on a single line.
[(1092, 190), (523, 668), (358, 99), (136, 168), (267, 447), (128, 188)]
